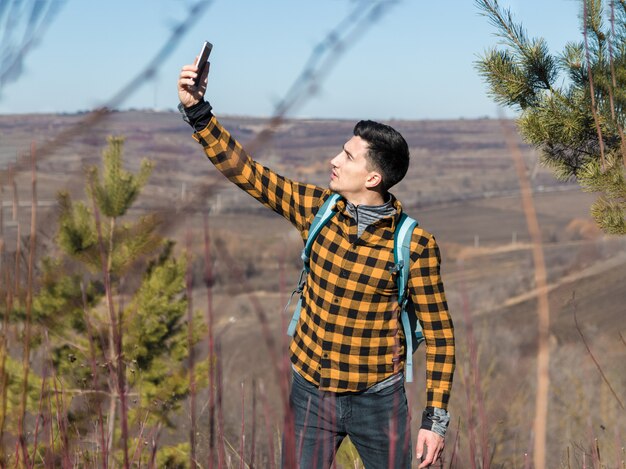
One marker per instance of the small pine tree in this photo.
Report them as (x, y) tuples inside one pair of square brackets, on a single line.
[(572, 106), (107, 337)]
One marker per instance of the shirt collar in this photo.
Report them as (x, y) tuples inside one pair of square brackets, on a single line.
[(341, 205)]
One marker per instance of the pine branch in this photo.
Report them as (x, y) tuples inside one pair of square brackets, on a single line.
[(507, 83), (539, 65), (609, 180), (77, 232), (571, 59), (118, 189), (610, 215), (135, 240), (512, 33)]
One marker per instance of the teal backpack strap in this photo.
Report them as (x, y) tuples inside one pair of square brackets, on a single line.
[(296, 314), (402, 256), (322, 216)]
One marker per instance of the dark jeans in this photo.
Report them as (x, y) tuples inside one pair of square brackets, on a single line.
[(377, 423)]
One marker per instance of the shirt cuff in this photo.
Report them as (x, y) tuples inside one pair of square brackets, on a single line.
[(436, 420), (198, 115)]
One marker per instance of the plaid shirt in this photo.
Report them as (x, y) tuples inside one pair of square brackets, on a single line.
[(349, 335)]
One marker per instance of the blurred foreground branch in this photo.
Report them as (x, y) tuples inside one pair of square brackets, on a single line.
[(22, 25)]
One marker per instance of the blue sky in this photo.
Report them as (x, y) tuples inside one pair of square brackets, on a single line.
[(416, 62)]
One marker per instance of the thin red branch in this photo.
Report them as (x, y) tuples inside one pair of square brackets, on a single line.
[(29, 301), (267, 411), (191, 350), (114, 339), (595, 361), (94, 374), (221, 455), (62, 421), (455, 446), (4, 345), (136, 459), (253, 429), (618, 124), (212, 358), (40, 415), (242, 462), (594, 111)]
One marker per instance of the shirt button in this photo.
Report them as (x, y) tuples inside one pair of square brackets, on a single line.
[(325, 355), (335, 300), (319, 367), (344, 273)]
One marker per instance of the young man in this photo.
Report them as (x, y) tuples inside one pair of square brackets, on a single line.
[(347, 351)]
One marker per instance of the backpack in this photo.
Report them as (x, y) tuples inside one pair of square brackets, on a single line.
[(401, 253)]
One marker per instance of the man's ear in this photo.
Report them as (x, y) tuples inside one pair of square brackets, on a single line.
[(374, 179)]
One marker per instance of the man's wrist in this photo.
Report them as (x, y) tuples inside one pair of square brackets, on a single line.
[(436, 420), (197, 115)]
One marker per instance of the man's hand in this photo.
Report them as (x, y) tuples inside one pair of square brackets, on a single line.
[(434, 446), (188, 93)]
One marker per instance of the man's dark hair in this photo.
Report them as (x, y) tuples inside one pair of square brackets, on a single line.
[(388, 151)]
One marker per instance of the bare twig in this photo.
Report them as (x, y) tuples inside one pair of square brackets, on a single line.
[(594, 111), (39, 14), (242, 441), (613, 85), (94, 373), (106, 273), (253, 427), (192, 359), (543, 306), (29, 302), (595, 361), (268, 429), (455, 446), (4, 349), (136, 460), (62, 421), (208, 281), (40, 415), (221, 455)]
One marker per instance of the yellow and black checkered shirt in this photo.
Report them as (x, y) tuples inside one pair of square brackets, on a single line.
[(349, 336)]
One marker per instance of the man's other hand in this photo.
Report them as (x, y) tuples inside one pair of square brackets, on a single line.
[(188, 93), (434, 446)]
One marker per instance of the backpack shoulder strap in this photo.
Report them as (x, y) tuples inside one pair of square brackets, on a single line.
[(402, 256), (402, 253), (322, 216)]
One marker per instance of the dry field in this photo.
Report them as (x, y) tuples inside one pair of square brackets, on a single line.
[(462, 187)]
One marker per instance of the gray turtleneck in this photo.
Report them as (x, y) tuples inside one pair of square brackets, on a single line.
[(365, 215)]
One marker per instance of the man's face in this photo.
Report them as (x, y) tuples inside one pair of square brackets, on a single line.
[(351, 176)]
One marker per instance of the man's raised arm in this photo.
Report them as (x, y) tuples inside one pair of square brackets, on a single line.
[(292, 200)]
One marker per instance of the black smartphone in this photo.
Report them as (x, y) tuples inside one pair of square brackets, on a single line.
[(203, 59)]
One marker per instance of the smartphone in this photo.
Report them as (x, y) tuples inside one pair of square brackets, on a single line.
[(203, 59)]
